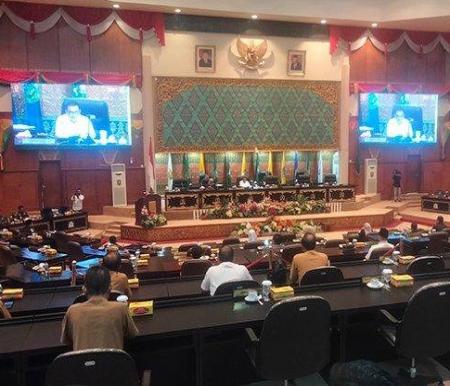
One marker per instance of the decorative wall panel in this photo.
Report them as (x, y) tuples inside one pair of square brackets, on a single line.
[(200, 114)]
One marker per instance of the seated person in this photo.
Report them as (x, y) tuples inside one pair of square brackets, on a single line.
[(224, 272), (4, 313), (119, 281), (97, 323), (112, 242), (311, 259), (365, 230), (196, 252), (439, 225), (382, 243), (72, 125), (399, 127), (21, 213), (245, 183), (415, 230)]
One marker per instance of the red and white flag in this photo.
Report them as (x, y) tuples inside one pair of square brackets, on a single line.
[(151, 165)]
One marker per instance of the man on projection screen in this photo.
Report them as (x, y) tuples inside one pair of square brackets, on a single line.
[(399, 127), (73, 126)]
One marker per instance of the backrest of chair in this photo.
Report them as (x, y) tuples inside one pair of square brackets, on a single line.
[(75, 251), (92, 368), (322, 275), (185, 247), (80, 299), (113, 295), (350, 236), (194, 267), (373, 236), (7, 256), (127, 268), (231, 241), (437, 240), (290, 251), (295, 338), (379, 252), (283, 238), (61, 240), (425, 329), (253, 244), (426, 264), (333, 243), (230, 286)]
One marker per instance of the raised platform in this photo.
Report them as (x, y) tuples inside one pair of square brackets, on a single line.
[(207, 229)]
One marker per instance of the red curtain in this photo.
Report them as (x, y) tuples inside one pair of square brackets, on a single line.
[(11, 76)]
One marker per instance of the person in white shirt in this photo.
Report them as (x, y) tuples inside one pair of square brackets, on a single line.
[(73, 124), (244, 183), (77, 201), (399, 126), (383, 243), (225, 272)]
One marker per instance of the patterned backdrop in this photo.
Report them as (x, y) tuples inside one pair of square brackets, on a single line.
[(200, 114)]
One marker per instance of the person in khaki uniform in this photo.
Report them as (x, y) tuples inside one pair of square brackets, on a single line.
[(311, 259), (97, 323), (119, 281)]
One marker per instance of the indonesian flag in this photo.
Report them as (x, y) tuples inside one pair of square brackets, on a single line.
[(151, 165)]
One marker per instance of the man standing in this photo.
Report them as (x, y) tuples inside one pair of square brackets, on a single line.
[(396, 184), (311, 259), (77, 201), (97, 323), (224, 272)]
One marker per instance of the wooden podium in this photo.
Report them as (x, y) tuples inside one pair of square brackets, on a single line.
[(151, 201)]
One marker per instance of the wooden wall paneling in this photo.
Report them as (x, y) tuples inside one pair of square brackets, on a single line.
[(135, 183), (19, 160), (13, 53), (105, 51), (19, 188), (398, 64), (43, 51), (367, 64), (435, 65), (73, 49)]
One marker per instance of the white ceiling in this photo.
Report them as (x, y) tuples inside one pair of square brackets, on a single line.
[(427, 15)]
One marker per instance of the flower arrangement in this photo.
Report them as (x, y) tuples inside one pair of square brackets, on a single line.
[(266, 208), (274, 226), (151, 220)]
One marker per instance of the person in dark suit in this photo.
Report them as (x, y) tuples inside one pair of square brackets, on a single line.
[(205, 59), (296, 65)]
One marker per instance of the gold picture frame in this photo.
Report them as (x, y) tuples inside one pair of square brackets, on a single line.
[(296, 61), (205, 59)]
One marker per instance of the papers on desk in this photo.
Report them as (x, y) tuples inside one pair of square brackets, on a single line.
[(12, 293), (141, 308)]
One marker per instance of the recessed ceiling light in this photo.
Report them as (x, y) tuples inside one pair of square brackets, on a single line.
[(116, 6), (323, 21), (177, 10), (254, 17), (374, 25)]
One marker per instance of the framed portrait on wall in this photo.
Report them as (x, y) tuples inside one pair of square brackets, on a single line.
[(205, 58), (296, 63)]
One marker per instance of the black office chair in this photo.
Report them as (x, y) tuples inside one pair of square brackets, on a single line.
[(283, 238), (322, 275), (289, 251), (350, 236), (334, 243), (231, 241), (253, 244), (373, 236), (231, 286), (380, 252), (185, 247), (93, 368), (61, 239), (424, 330), (426, 264), (294, 340), (194, 268), (438, 242), (7, 256), (75, 251)]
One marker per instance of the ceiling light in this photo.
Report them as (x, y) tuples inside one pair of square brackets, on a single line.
[(254, 17), (323, 21), (116, 6), (374, 25), (177, 10)]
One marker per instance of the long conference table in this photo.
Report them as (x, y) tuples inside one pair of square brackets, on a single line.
[(22, 339), (208, 198)]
